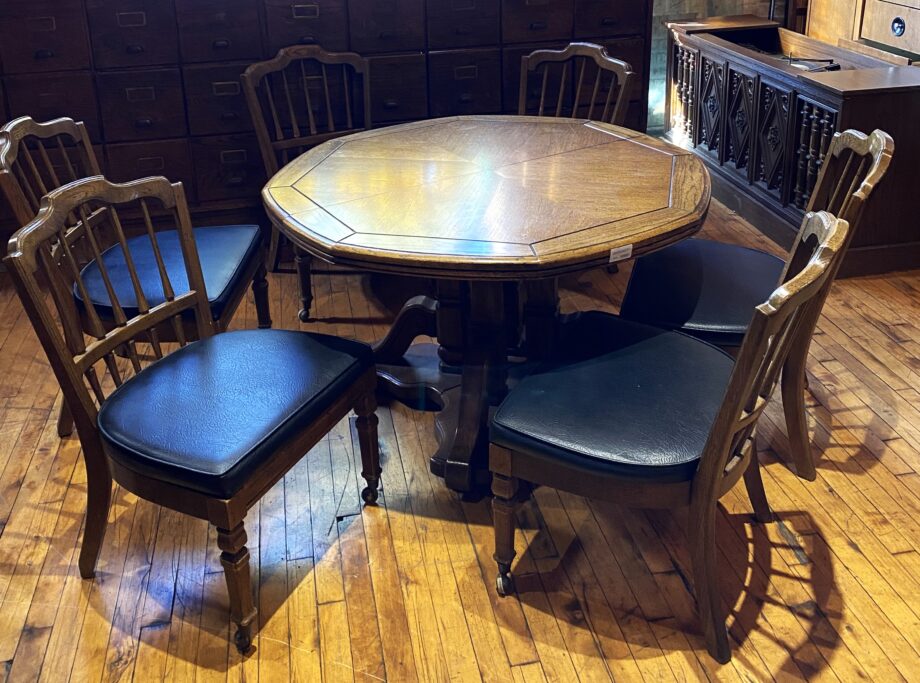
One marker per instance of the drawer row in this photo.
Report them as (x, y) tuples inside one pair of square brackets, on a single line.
[(57, 35), (200, 100)]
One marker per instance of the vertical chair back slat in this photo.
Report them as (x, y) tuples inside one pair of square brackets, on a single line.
[(563, 72), (329, 112), (43, 251)]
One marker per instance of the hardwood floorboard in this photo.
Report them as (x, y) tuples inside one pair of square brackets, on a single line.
[(404, 591)]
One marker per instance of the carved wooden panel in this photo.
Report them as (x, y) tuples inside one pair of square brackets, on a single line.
[(772, 139), (740, 120), (815, 126), (711, 105)]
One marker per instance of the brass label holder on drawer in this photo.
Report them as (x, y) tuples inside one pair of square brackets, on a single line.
[(225, 88), (42, 24), (305, 11), (462, 5), (234, 156), (149, 164), (141, 94), (466, 73), (131, 19)]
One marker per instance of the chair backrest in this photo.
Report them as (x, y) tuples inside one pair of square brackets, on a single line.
[(36, 158), (71, 220), (304, 96), (763, 353), (581, 81), (854, 165)]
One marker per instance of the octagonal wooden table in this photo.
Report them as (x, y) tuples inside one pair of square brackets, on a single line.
[(494, 208)]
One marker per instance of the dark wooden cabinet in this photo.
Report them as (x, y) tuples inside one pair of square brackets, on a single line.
[(764, 126), (157, 81)]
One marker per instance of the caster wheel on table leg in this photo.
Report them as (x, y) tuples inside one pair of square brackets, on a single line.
[(504, 584), (370, 494), (243, 639), (304, 315)]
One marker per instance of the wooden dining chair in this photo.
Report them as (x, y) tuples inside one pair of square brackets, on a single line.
[(653, 418), (708, 289), (205, 429), (301, 97), (36, 158), (580, 81)]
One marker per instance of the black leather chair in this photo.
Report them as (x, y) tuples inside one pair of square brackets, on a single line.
[(206, 429), (654, 418), (36, 158), (709, 289)]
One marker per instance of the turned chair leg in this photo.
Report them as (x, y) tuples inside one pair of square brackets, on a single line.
[(65, 421), (304, 263), (793, 391), (260, 294), (703, 559), (366, 425), (754, 485), (504, 503), (98, 500), (235, 560)]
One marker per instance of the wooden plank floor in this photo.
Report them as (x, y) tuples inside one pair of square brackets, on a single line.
[(404, 591)]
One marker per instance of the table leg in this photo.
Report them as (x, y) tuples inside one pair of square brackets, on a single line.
[(540, 313), (462, 425), (304, 262)]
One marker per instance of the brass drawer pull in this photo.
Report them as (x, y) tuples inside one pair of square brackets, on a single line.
[(391, 104), (221, 44), (134, 49), (229, 116), (143, 123), (42, 24), (44, 54), (537, 26), (609, 21)]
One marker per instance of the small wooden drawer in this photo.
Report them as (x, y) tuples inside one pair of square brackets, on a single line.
[(227, 167), (462, 23), (51, 96), (387, 25), (511, 72), (140, 105), (132, 32), (465, 82), (527, 20), (307, 22), (610, 17), (43, 35), (170, 158), (218, 30), (399, 88), (216, 103)]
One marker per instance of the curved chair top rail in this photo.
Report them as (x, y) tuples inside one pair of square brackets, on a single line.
[(287, 55), (36, 158), (44, 254), (613, 100)]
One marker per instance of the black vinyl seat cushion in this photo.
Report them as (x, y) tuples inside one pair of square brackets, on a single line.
[(207, 415), (225, 251), (642, 407), (705, 288)]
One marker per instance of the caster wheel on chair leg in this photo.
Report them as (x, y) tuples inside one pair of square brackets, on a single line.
[(504, 584), (370, 495), (243, 640), (304, 315)]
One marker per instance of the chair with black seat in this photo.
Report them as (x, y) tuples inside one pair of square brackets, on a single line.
[(301, 97), (206, 429), (36, 158), (580, 81), (653, 418), (708, 289)]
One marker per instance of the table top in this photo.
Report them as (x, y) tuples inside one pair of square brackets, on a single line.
[(489, 197)]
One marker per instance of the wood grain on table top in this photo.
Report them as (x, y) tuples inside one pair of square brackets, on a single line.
[(488, 196)]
